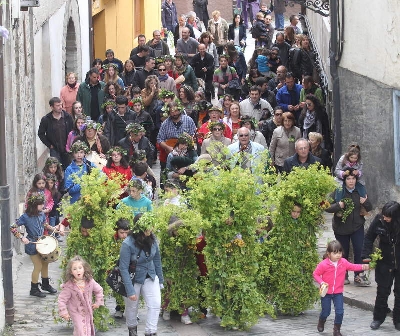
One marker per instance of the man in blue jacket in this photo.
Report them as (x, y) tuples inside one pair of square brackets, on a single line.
[(289, 96)]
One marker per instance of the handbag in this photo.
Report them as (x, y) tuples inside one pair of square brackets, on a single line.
[(114, 278), (234, 84)]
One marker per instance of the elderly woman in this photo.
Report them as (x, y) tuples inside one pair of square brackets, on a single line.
[(166, 82), (314, 118), (95, 142), (216, 143), (141, 245), (283, 141), (348, 222), (69, 91), (255, 136), (185, 72), (232, 119), (223, 75), (315, 140)]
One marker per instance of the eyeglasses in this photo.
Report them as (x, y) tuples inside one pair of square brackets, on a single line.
[(217, 129), (162, 69), (243, 135)]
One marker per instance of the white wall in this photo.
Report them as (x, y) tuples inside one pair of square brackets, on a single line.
[(84, 22), (372, 40)]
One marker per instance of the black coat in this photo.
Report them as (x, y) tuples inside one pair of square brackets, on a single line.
[(49, 136), (144, 144), (389, 244), (109, 129), (231, 32), (293, 161), (198, 64), (200, 8), (105, 144), (140, 77)]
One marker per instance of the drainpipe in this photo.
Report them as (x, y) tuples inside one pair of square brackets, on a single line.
[(91, 32), (6, 246), (334, 62)]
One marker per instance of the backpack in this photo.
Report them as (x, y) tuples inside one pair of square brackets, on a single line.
[(294, 62)]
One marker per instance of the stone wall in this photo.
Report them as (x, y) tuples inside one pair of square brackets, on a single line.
[(367, 118)]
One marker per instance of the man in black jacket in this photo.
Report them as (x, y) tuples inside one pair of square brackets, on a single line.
[(302, 158), (54, 129), (141, 74), (203, 65)]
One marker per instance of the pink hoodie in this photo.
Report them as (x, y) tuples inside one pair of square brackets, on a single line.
[(334, 276)]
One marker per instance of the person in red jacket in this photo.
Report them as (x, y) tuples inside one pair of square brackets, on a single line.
[(331, 273)]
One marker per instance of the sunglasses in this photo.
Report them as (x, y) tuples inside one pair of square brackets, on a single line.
[(217, 129), (243, 135), (162, 69)]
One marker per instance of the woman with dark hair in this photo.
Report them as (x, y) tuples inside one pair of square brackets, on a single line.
[(268, 126), (76, 131), (309, 87), (77, 109), (237, 32), (348, 222), (236, 60), (206, 39), (186, 97), (387, 226), (253, 75), (150, 94), (107, 107), (117, 164), (98, 64), (226, 102), (283, 140), (185, 72), (111, 91), (95, 142), (314, 118), (142, 247), (169, 62), (289, 35), (128, 73)]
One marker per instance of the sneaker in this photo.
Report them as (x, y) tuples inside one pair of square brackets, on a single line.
[(166, 315), (185, 319), (361, 281), (118, 314)]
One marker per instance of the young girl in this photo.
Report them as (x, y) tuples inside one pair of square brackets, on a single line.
[(76, 296), (351, 160), (54, 214), (331, 271), (39, 186), (53, 166), (79, 121), (34, 220), (78, 167)]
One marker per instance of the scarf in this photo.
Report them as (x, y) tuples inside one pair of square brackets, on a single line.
[(163, 78), (309, 120), (181, 69), (179, 152), (72, 86)]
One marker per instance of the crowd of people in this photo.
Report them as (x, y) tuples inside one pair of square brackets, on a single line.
[(126, 116)]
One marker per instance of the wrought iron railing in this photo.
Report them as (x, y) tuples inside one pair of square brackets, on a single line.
[(317, 6)]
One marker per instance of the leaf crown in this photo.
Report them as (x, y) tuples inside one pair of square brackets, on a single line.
[(117, 149), (78, 146), (36, 198), (134, 128)]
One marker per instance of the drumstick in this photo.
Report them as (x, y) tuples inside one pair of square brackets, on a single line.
[(38, 243)]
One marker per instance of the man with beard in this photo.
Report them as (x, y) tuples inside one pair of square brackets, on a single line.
[(278, 82), (158, 45), (171, 129)]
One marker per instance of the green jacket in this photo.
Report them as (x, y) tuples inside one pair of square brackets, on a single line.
[(85, 97)]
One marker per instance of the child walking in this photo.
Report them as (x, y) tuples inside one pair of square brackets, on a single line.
[(331, 271), (75, 301), (54, 214), (34, 221), (39, 186)]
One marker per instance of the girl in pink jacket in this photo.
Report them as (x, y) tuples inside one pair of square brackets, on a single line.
[(75, 301), (331, 272)]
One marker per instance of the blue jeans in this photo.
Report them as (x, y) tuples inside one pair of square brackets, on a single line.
[(279, 21), (357, 239), (326, 307)]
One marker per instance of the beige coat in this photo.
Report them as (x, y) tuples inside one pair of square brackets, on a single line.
[(281, 147)]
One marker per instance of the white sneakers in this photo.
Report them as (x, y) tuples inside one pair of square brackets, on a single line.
[(185, 319)]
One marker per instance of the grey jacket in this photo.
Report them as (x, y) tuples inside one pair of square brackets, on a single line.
[(150, 265)]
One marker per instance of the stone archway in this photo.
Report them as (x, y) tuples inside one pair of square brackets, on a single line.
[(71, 52)]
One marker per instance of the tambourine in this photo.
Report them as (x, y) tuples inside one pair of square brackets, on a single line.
[(323, 289)]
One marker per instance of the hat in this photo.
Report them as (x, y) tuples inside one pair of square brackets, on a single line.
[(78, 146), (134, 128), (215, 108)]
